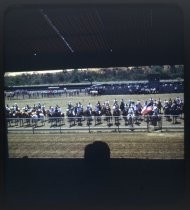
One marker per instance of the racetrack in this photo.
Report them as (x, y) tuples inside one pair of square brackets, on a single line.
[(155, 145), (137, 145)]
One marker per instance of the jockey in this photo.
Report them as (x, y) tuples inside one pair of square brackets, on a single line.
[(137, 108), (130, 101), (139, 105), (151, 100), (150, 103), (39, 105), (56, 109), (165, 102), (122, 105), (170, 101), (97, 108), (155, 109), (15, 107), (7, 108), (145, 103), (99, 105), (115, 105), (178, 100), (133, 104), (69, 106), (26, 108), (174, 105), (89, 107), (79, 107), (103, 105), (52, 109), (131, 110), (159, 105), (106, 105), (43, 106), (115, 102), (166, 105)]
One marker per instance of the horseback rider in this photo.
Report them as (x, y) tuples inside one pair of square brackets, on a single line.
[(122, 105), (57, 108), (7, 108), (79, 108), (15, 107), (131, 110), (99, 105), (155, 109), (89, 106), (115, 105), (39, 106), (131, 114), (69, 105), (159, 104), (150, 103), (26, 108)]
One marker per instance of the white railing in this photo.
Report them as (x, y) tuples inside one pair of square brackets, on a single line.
[(94, 123)]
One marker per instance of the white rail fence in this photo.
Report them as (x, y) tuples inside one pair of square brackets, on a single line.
[(94, 123)]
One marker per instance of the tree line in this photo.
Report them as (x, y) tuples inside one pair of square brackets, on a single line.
[(100, 75)]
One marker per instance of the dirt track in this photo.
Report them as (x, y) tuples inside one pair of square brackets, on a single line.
[(155, 145)]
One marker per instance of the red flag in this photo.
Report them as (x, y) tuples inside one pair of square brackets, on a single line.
[(146, 110)]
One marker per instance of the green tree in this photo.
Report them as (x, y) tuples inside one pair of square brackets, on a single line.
[(75, 76)]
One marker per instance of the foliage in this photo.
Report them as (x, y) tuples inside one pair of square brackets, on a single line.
[(101, 75)]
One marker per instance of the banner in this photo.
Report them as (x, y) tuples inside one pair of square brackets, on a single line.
[(146, 110)]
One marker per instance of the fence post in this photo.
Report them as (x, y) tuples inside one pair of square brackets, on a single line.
[(147, 124), (89, 127), (118, 124), (33, 129), (161, 123)]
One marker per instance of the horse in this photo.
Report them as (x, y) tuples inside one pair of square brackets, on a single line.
[(116, 115), (122, 106), (167, 111), (79, 114), (32, 117), (9, 116), (108, 115), (26, 115), (97, 116), (71, 116), (175, 112), (125, 113), (137, 114), (17, 118), (130, 119), (55, 117), (88, 116), (155, 120), (159, 105)]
